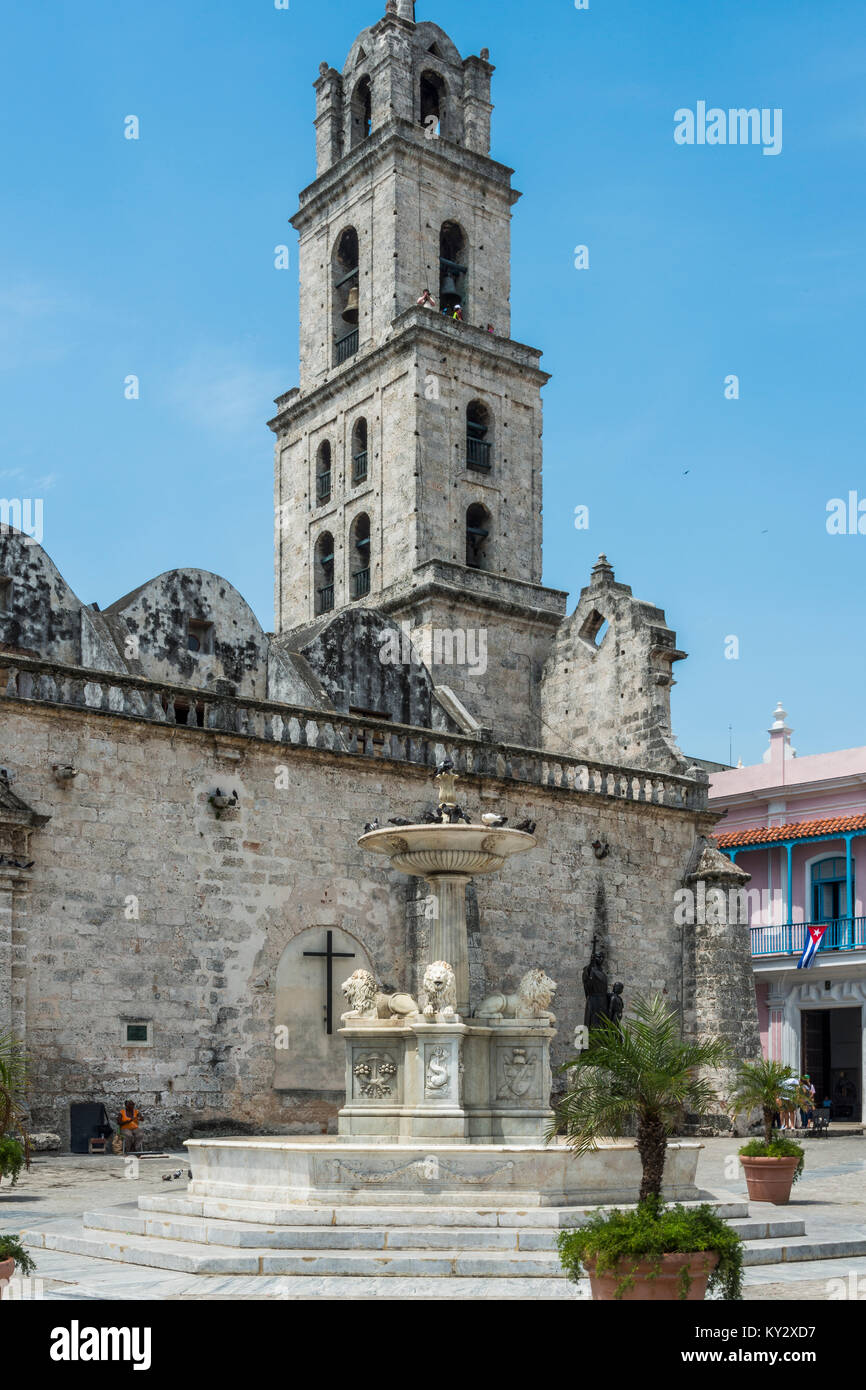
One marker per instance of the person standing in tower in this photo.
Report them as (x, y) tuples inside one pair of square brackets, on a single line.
[(426, 301)]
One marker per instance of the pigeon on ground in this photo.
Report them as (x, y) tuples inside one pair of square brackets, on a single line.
[(527, 826), (433, 817), (372, 825), (456, 814), (400, 820), (492, 821)]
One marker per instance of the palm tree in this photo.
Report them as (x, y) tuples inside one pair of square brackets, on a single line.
[(13, 1086), (640, 1070), (760, 1086)]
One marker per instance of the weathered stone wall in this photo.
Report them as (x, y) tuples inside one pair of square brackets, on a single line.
[(157, 616), (491, 654), (219, 899), (606, 690), (718, 972)]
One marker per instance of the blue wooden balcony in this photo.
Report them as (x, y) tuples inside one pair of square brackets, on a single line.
[(842, 934)]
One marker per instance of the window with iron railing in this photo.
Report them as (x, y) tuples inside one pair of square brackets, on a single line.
[(478, 454), (325, 599), (323, 488), (359, 467), (360, 583)]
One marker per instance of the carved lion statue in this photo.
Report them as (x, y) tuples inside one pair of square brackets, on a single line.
[(366, 1002), (532, 1000), (440, 989)]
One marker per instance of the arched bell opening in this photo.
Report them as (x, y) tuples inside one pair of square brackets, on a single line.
[(479, 437), (362, 112), (346, 299), (453, 270), (360, 465), (359, 556), (324, 474), (433, 104), (324, 573), (478, 539)]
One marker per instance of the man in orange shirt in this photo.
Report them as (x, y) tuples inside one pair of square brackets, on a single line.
[(129, 1119)]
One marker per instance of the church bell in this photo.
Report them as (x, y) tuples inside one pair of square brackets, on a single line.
[(350, 313), (448, 288)]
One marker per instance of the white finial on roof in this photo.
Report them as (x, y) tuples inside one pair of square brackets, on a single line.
[(780, 737)]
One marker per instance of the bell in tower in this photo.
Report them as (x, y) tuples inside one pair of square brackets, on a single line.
[(350, 313)]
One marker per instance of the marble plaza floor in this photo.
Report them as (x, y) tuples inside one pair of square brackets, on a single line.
[(831, 1199)]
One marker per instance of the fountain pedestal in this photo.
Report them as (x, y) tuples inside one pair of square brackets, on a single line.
[(448, 936), (410, 1081)]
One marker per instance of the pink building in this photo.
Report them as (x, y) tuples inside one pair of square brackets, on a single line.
[(798, 826)]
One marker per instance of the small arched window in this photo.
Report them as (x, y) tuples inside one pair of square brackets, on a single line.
[(359, 451), (324, 475), (433, 102), (453, 271), (478, 545), (479, 441), (324, 573), (362, 111), (345, 297), (359, 556)]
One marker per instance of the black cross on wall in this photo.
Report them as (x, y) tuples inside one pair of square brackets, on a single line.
[(329, 955)]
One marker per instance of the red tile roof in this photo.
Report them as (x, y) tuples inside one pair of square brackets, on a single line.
[(794, 830)]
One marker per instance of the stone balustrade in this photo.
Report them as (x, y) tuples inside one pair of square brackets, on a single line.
[(132, 697)]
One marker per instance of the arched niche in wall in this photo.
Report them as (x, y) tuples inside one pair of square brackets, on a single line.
[(306, 1056)]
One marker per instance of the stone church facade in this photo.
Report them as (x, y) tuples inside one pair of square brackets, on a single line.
[(181, 793)]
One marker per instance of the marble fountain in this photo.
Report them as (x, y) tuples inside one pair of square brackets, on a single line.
[(443, 1107)]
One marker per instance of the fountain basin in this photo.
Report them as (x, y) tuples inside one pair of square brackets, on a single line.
[(318, 1172), (447, 849)]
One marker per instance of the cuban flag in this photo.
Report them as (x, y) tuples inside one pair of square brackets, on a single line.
[(813, 941)]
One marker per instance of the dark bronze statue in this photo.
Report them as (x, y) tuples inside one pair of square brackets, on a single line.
[(615, 1004), (595, 988)]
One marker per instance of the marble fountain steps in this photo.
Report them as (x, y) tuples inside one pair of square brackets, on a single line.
[(213, 1237)]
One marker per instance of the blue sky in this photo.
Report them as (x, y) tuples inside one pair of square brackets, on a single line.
[(155, 257)]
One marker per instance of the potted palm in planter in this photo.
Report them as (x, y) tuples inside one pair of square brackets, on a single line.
[(642, 1072), (13, 1256), (14, 1140), (771, 1165)]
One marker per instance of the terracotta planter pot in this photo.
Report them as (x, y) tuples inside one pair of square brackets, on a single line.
[(769, 1179), (656, 1288), (7, 1269)]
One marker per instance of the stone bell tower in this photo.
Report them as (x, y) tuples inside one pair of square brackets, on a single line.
[(408, 460)]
